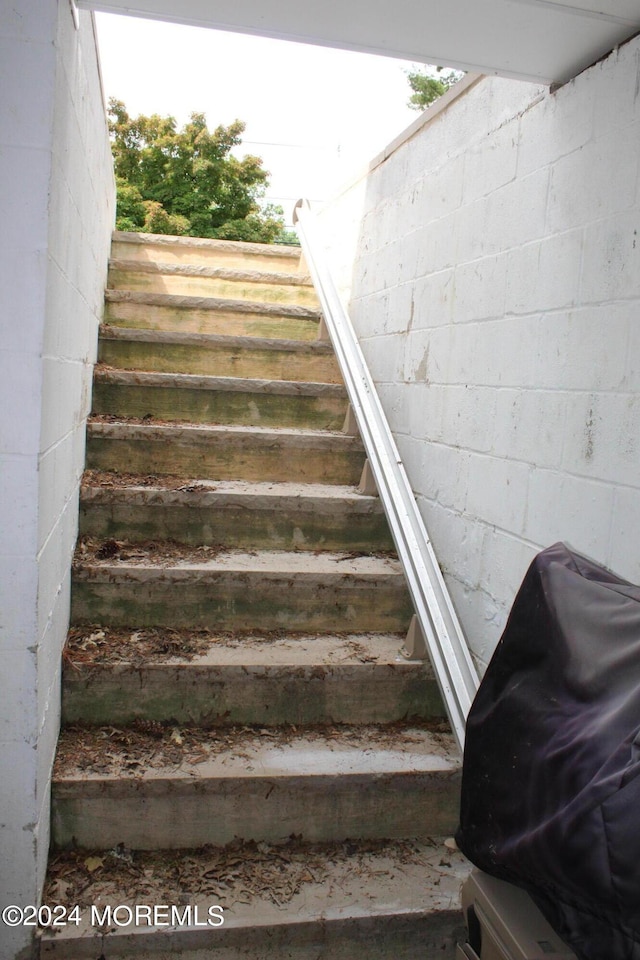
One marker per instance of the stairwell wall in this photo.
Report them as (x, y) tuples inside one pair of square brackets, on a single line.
[(57, 201), (494, 283)]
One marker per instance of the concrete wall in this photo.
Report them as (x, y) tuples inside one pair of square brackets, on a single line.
[(56, 203), (496, 290)]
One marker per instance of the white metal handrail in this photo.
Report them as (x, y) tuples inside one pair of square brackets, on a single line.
[(445, 641)]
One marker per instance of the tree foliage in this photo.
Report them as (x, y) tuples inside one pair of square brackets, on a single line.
[(187, 181), (427, 88)]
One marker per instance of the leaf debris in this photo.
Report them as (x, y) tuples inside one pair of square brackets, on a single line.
[(158, 552), (240, 872), (129, 750)]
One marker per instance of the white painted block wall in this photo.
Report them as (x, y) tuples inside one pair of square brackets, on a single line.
[(56, 201), (495, 287)]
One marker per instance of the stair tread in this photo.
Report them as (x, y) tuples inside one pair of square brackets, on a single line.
[(276, 278), (123, 675), (298, 652), (192, 381), (112, 487), (126, 756), (190, 302), (295, 885), (178, 564), (247, 342), (163, 241), (136, 429)]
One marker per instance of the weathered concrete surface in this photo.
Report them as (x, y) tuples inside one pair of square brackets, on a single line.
[(225, 453), (58, 202), (336, 935), (249, 591), (387, 907), (496, 294), (260, 489), (200, 281), (357, 679), (213, 355), (196, 399), (208, 314), (276, 516), (319, 788), (194, 250)]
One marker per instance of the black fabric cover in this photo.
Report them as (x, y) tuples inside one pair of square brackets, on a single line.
[(551, 776)]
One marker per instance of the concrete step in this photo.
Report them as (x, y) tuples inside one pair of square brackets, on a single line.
[(212, 355), (276, 516), (210, 315), (225, 453), (192, 280), (193, 250), (392, 900), (192, 398), (185, 787), (253, 679), (241, 591)]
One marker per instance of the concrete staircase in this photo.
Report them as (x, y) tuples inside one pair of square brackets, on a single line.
[(238, 727)]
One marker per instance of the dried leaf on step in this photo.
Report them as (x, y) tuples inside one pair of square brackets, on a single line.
[(108, 550), (59, 890), (93, 863)]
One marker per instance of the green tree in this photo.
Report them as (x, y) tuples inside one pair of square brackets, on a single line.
[(187, 181), (427, 87)]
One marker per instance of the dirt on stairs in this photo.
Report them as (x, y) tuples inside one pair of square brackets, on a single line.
[(247, 767)]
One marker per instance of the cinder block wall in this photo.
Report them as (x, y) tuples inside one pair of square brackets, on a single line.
[(495, 286), (57, 201)]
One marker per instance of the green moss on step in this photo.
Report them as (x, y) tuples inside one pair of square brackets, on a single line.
[(219, 406), (220, 361)]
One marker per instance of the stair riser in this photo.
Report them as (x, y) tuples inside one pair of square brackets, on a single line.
[(354, 693), (146, 815), (239, 526), (219, 361), (226, 322), (248, 601), (213, 406), (203, 286), (201, 255), (428, 935), (225, 460)]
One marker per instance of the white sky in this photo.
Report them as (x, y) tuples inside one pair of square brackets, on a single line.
[(315, 115)]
